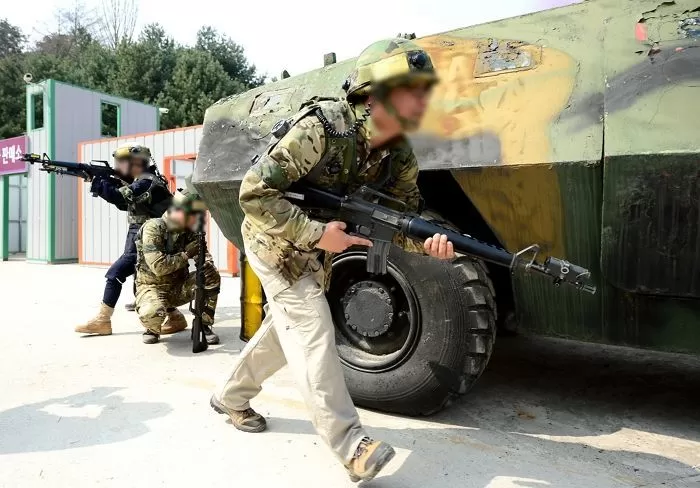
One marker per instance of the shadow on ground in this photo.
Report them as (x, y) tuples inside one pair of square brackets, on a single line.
[(95, 417), (180, 344), (546, 407)]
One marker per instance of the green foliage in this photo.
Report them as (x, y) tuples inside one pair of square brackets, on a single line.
[(229, 54), (11, 39), (152, 69), (198, 80)]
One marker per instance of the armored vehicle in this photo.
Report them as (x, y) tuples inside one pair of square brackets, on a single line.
[(574, 128)]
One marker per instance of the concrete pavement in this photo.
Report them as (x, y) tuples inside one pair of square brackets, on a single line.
[(112, 412)]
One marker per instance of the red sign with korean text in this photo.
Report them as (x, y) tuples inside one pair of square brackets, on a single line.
[(11, 152)]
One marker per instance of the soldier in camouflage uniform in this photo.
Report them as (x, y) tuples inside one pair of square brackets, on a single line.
[(147, 196), (338, 145), (163, 280)]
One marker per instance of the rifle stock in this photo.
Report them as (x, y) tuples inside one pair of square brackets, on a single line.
[(366, 217)]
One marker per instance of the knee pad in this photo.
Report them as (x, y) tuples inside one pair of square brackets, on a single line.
[(152, 316)]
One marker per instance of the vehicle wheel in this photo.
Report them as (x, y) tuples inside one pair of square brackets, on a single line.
[(416, 338)]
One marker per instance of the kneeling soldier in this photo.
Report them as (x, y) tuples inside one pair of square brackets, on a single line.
[(163, 281)]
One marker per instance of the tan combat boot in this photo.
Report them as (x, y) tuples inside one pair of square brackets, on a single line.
[(247, 420), (101, 324), (371, 456), (174, 322)]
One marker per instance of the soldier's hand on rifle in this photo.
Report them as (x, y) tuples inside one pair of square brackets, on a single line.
[(192, 249), (439, 247), (334, 238)]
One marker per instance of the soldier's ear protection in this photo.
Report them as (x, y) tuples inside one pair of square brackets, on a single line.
[(132, 153), (188, 202)]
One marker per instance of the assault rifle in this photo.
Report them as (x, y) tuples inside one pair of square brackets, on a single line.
[(81, 170), (365, 216), (199, 340)]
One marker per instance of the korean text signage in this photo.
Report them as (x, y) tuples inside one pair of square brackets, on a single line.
[(11, 152)]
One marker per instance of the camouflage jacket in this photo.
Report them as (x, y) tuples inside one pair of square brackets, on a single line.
[(279, 232), (161, 258)]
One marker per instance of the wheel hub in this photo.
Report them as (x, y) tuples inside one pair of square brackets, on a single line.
[(369, 308)]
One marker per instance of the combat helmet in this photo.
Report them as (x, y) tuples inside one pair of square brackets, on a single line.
[(389, 63), (188, 199), (133, 151)]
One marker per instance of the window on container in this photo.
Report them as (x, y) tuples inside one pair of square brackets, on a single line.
[(37, 115), (110, 119), (179, 170)]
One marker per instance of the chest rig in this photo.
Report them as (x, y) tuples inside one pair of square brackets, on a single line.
[(338, 168), (144, 206)]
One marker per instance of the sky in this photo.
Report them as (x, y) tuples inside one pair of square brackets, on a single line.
[(294, 35)]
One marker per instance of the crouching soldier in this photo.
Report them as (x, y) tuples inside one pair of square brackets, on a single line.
[(164, 247)]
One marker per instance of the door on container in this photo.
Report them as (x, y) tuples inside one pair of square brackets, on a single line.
[(178, 170), (17, 224)]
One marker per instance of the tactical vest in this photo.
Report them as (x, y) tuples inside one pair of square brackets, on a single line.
[(152, 203), (174, 243), (338, 167)]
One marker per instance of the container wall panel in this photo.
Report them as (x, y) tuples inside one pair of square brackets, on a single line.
[(66, 214), (78, 115), (104, 227), (218, 246), (37, 188)]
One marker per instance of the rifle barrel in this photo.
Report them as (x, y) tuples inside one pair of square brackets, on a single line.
[(421, 229)]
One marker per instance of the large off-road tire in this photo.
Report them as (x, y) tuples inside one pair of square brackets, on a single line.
[(416, 338)]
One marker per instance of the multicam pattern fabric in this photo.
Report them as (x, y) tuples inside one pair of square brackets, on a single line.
[(163, 279), (371, 66), (279, 232)]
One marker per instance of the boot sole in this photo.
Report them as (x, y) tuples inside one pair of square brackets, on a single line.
[(220, 410), (383, 460), (94, 333)]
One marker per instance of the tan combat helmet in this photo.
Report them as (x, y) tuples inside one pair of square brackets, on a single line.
[(133, 151), (188, 201), (389, 63)]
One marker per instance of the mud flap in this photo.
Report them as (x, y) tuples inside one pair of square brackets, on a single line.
[(252, 300)]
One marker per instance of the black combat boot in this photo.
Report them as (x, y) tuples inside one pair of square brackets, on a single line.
[(211, 337), (150, 337)]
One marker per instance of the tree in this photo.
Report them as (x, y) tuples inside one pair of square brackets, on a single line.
[(12, 104), (141, 69), (73, 30), (11, 39), (198, 80), (229, 54), (118, 21), (152, 68)]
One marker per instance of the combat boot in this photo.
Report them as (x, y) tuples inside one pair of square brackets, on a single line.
[(247, 420), (150, 337), (370, 457), (101, 324), (130, 307), (174, 322), (210, 336)]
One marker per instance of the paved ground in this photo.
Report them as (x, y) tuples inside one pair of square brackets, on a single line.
[(113, 412)]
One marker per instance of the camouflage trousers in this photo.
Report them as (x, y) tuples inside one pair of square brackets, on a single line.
[(154, 301)]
